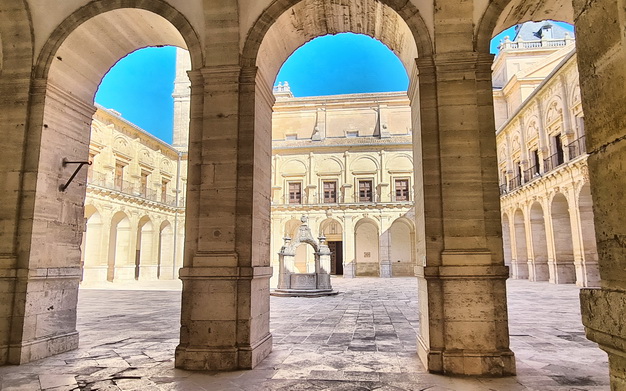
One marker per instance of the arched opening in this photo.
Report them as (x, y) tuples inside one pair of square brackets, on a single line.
[(520, 263), (70, 66), (506, 243), (167, 268), (121, 261), (332, 230), (94, 258), (367, 255), (539, 270), (145, 260), (402, 248), (562, 267), (589, 275)]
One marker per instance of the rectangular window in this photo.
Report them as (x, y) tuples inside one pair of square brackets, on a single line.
[(534, 156), (144, 183), (402, 189), (164, 186), (365, 191), (119, 176), (295, 193), (330, 192), (558, 149)]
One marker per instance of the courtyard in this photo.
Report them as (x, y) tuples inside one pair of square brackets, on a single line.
[(362, 339)]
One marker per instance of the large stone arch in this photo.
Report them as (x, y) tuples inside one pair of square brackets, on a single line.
[(402, 247), (520, 263), (562, 267), (538, 266), (64, 80), (367, 247)]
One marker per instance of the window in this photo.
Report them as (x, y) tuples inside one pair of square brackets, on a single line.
[(119, 175), (164, 185), (534, 159), (352, 133), (144, 183), (365, 191), (558, 149), (330, 192), (295, 193), (402, 189)]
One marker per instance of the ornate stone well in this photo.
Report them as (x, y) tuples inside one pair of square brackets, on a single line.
[(312, 284)]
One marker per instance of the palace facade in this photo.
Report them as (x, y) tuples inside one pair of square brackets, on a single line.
[(346, 162), (135, 203), (547, 218), (53, 59)]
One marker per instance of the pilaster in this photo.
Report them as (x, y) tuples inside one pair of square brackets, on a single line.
[(226, 259), (464, 322)]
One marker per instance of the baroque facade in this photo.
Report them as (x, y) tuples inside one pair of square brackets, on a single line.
[(134, 207), (53, 59), (346, 162), (547, 217)]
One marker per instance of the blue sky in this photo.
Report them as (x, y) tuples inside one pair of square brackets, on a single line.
[(140, 85)]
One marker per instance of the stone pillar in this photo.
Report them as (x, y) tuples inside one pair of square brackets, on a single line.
[(349, 267), (385, 250), (225, 299), (47, 273), (462, 290), (601, 48)]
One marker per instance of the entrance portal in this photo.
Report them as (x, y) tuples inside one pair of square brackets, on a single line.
[(336, 258)]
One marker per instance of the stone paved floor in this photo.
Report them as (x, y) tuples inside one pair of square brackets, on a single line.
[(362, 339)]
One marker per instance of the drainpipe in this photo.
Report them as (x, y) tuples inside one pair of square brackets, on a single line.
[(175, 244)]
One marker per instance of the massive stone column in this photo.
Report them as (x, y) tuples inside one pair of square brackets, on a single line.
[(225, 301), (51, 223), (601, 47), (463, 309)]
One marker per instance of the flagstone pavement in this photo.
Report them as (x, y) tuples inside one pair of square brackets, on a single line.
[(362, 339)]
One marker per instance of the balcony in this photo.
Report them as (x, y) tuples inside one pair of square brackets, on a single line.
[(577, 148), (133, 189)]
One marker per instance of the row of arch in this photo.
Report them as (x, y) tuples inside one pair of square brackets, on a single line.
[(553, 241), (118, 248), (369, 247)]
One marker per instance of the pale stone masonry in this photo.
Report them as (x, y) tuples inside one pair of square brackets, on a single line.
[(54, 57), (547, 216), (134, 203)]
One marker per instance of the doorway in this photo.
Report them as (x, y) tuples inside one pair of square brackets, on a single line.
[(336, 258)]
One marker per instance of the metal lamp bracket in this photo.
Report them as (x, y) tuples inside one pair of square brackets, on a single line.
[(80, 165)]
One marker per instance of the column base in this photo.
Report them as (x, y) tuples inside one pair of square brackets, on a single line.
[(43, 347), (468, 363), (222, 359), (602, 312)]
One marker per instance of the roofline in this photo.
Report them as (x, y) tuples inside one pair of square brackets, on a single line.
[(536, 91)]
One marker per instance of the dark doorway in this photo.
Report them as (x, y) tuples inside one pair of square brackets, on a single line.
[(336, 258)]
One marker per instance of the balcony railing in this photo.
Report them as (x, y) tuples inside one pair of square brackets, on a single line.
[(515, 182), (126, 187), (520, 44), (577, 147), (553, 161)]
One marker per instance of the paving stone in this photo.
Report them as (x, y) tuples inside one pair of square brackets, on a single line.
[(362, 339)]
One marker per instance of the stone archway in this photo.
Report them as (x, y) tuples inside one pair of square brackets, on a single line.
[(366, 248), (446, 140), (589, 275), (520, 263), (94, 261), (563, 269), (539, 270), (65, 77)]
